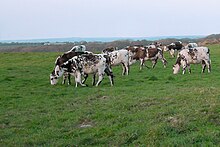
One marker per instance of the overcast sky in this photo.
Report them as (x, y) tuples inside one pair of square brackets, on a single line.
[(33, 19)]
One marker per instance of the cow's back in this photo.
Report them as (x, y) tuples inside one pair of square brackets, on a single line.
[(93, 62), (199, 54), (152, 52), (119, 56)]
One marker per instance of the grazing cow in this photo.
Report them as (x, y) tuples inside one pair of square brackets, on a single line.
[(83, 65), (144, 53), (65, 57), (173, 47), (196, 56), (120, 57)]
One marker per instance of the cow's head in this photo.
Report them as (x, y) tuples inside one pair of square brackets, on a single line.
[(181, 61), (53, 78), (56, 73), (176, 68)]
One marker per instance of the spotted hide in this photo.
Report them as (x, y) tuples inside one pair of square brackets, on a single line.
[(118, 57), (145, 53), (62, 59), (197, 55), (83, 65)]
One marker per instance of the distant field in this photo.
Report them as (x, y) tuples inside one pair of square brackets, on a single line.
[(149, 107)]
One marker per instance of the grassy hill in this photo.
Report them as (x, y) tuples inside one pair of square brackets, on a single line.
[(149, 107)]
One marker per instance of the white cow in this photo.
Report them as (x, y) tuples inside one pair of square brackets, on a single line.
[(83, 65), (196, 55), (118, 57)]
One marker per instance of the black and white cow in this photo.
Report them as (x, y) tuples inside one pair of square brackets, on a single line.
[(75, 51), (198, 55), (82, 65), (176, 46)]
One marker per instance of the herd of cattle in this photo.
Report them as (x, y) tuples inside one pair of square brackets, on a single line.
[(79, 63)]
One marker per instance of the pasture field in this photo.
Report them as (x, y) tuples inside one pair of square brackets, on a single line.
[(150, 107)]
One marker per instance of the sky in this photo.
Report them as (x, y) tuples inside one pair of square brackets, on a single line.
[(37, 19)]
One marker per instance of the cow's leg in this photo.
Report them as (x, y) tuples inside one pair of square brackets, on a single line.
[(141, 64), (127, 68), (172, 53), (101, 75), (109, 73), (208, 64), (65, 75), (123, 69), (189, 68), (164, 62), (64, 79), (93, 79), (69, 82), (78, 79), (203, 68), (184, 69), (85, 78), (154, 62)]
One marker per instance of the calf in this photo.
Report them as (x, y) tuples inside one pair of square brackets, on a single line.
[(83, 65), (196, 56)]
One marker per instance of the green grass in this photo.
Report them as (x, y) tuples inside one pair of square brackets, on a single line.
[(149, 107)]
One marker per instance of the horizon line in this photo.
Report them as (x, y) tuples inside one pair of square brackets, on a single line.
[(130, 37)]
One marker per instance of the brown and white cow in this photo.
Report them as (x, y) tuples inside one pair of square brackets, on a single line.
[(145, 53), (198, 55), (83, 65)]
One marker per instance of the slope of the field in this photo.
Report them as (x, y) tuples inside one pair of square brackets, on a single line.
[(148, 107)]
